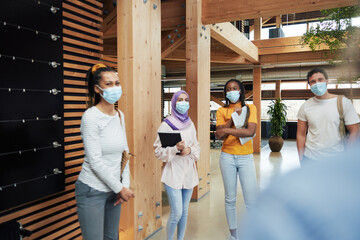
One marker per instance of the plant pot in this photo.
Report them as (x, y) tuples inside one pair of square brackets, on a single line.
[(276, 143)]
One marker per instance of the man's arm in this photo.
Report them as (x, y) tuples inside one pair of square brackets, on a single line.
[(302, 127), (354, 132)]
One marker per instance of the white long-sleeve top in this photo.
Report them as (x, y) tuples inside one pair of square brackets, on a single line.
[(180, 172), (104, 142)]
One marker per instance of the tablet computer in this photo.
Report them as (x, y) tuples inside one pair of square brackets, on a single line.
[(169, 139)]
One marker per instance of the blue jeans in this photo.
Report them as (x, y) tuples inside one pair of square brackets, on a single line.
[(179, 200), (99, 218), (231, 167)]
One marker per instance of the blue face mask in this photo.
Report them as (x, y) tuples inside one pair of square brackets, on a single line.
[(319, 88), (112, 94), (233, 96), (182, 107)]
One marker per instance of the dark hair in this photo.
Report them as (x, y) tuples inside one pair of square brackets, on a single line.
[(93, 78), (242, 92), (316, 70)]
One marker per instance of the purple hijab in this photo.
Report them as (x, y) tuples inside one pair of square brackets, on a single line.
[(176, 120)]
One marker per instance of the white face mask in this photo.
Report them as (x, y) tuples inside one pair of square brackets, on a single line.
[(319, 88), (233, 96), (182, 107), (112, 94)]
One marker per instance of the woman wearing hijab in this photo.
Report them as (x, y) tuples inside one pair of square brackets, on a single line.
[(179, 174)]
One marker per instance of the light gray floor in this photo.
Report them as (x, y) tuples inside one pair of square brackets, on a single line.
[(207, 220)]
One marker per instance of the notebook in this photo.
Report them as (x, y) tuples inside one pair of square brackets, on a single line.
[(239, 121)]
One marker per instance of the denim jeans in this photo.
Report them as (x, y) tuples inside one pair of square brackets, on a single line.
[(179, 200), (232, 167), (99, 218)]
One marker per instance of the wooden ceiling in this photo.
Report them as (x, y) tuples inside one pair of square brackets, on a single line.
[(228, 49)]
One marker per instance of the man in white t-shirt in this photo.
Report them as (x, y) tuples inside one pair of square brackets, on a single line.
[(318, 128)]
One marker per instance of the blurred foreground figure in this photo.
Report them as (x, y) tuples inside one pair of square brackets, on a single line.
[(321, 202)]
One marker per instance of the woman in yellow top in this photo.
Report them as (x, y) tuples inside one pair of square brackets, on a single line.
[(236, 159)]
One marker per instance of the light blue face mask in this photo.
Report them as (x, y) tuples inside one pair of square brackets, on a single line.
[(112, 94), (182, 107), (319, 88), (233, 96)]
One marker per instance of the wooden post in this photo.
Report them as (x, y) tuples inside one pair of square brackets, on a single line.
[(257, 28), (198, 87), (139, 69), (278, 22), (257, 103), (278, 89)]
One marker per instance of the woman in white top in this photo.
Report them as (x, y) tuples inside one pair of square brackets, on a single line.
[(98, 190), (180, 173)]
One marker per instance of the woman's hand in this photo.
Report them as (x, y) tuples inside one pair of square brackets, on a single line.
[(180, 146), (221, 133), (185, 152), (124, 195), (238, 110)]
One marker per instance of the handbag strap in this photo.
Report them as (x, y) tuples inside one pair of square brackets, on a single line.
[(341, 115)]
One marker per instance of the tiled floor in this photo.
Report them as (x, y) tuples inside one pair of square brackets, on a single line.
[(207, 219)]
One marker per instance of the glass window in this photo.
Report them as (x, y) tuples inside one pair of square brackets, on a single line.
[(268, 86), (293, 85)]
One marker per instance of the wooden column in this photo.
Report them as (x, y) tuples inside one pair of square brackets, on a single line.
[(257, 28), (278, 22), (139, 68), (198, 87), (277, 89), (257, 103)]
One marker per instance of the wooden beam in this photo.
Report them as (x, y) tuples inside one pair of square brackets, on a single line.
[(264, 21), (278, 22), (292, 21), (172, 16), (283, 45), (217, 11), (109, 21), (296, 57), (278, 89), (257, 28), (172, 40), (218, 101), (231, 37), (248, 95), (198, 87), (139, 69), (257, 103), (216, 57)]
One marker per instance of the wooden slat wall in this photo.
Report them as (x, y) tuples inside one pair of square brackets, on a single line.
[(55, 217)]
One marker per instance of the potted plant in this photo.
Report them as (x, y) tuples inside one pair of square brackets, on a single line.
[(277, 113)]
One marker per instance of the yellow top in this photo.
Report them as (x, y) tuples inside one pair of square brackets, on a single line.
[(231, 144)]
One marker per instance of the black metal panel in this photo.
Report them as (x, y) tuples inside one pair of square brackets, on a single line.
[(30, 44)]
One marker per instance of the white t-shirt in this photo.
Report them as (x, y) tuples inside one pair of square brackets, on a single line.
[(322, 116)]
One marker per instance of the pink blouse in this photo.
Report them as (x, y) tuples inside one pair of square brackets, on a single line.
[(180, 171)]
